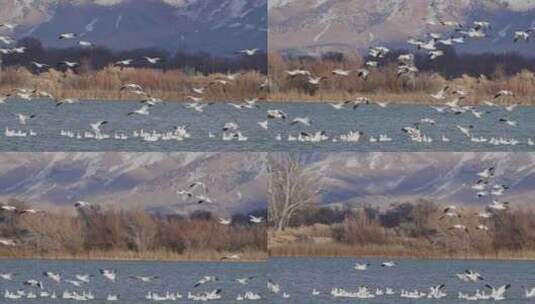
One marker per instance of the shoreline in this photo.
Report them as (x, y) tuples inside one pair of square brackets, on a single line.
[(402, 101), (252, 258), (471, 257)]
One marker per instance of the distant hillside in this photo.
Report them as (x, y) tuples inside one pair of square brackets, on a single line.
[(315, 26), (236, 181), (216, 27)]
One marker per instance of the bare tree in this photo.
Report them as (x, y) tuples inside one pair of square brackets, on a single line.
[(290, 188)]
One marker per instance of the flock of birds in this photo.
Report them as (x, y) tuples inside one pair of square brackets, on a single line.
[(452, 99), (486, 186), (77, 287), (468, 277), (197, 193), (299, 127)]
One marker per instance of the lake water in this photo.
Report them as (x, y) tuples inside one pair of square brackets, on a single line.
[(372, 120), (299, 276), (173, 277)]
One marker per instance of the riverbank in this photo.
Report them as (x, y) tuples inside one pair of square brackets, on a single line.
[(389, 252), (317, 242), (246, 256)]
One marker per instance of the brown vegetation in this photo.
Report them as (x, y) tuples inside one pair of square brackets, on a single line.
[(383, 83), (94, 233), (105, 84), (406, 230)]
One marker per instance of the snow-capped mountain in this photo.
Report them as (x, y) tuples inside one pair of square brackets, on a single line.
[(216, 27), (235, 181), (344, 25), (384, 178)]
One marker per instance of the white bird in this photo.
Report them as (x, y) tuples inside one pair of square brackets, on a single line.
[(96, 126), (249, 52), (124, 62), (498, 293), (504, 93), (340, 72), (70, 64), (56, 277), (7, 242), (205, 280), (145, 279), (388, 264), (255, 220), (83, 277), (244, 281), (67, 36), (224, 221), (465, 130), (85, 43), (361, 267), (498, 205), (263, 124), (144, 110), (109, 274), (8, 276), (276, 114), (23, 119), (273, 287), (441, 95), (9, 26), (152, 60), (301, 120)]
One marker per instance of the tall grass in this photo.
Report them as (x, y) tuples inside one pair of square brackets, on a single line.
[(383, 83), (105, 84)]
